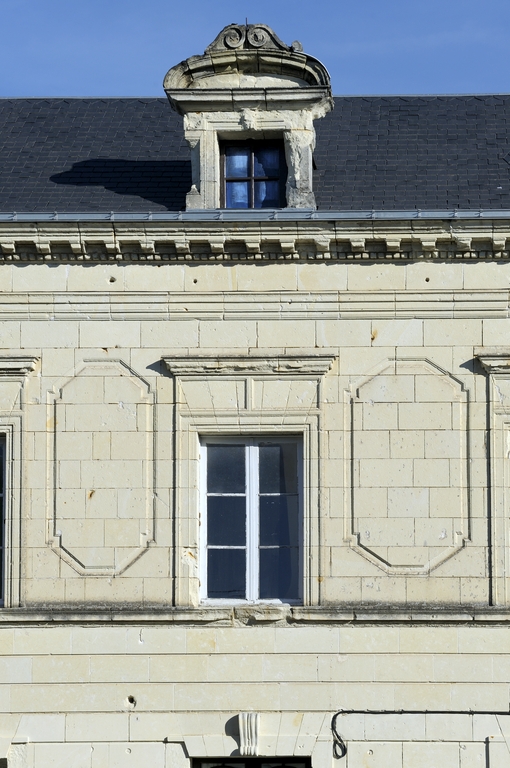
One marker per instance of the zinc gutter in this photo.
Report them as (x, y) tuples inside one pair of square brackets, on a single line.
[(268, 214)]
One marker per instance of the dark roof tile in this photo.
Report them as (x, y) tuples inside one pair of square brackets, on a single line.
[(400, 152)]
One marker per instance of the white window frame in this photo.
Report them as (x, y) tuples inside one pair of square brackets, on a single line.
[(252, 517)]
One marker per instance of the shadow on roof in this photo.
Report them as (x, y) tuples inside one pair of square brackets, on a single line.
[(163, 182)]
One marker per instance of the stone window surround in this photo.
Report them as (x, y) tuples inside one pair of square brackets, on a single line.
[(191, 425), (13, 368), (248, 81), (496, 363), (205, 131)]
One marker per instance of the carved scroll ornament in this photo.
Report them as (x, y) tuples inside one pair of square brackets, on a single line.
[(239, 36)]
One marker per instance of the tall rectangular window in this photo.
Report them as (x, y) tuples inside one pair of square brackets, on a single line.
[(254, 174), (252, 520)]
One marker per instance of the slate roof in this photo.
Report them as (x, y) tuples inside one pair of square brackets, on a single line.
[(383, 153)]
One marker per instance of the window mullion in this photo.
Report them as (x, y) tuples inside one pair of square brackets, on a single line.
[(252, 523)]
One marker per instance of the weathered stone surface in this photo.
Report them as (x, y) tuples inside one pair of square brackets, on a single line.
[(246, 84)]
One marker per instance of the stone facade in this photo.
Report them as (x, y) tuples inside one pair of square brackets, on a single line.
[(384, 344)]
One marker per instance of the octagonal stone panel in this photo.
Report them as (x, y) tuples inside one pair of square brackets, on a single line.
[(406, 466), (101, 467)]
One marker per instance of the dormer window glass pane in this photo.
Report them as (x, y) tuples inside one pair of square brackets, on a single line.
[(237, 194), (266, 162), (267, 194), (237, 161), (254, 175)]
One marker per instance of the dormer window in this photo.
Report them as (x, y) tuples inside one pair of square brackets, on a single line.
[(254, 175), (249, 85)]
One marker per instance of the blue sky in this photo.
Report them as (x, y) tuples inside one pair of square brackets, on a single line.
[(124, 47)]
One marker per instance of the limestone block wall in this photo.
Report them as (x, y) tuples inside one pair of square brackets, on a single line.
[(395, 423), (384, 370), (96, 695)]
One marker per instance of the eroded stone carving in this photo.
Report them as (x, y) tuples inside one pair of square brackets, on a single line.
[(253, 35), (220, 365), (248, 83), (299, 145)]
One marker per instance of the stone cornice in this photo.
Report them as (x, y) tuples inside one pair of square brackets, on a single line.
[(495, 360), (242, 365), (212, 241), (14, 366)]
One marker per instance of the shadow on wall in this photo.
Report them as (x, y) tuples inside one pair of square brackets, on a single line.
[(163, 182)]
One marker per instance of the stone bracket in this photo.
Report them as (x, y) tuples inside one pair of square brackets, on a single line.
[(249, 733), (495, 360), (17, 365), (339, 243)]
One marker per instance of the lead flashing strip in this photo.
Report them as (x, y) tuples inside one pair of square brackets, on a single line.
[(267, 214)]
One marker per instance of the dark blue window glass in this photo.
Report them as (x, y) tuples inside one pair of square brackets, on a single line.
[(267, 194), (279, 573), (226, 573), (226, 521), (266, 162), (254, 175), (279, 521), (225, 469), (253, 520), (237, 162), (278, 468), (252, 762)]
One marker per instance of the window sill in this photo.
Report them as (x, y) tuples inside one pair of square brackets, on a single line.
[(254, 614)]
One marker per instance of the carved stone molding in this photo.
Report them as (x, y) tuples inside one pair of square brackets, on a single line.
[(17, 365), (210, 241), (412, 403), (495, 360), (246, 49), (309, 364), (110, 405), (239, 36), (249, 733), (284, 305), (246, 83)]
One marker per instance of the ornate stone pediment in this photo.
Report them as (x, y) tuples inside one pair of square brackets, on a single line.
[(248, 84), (247, 56), (239, 36)]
